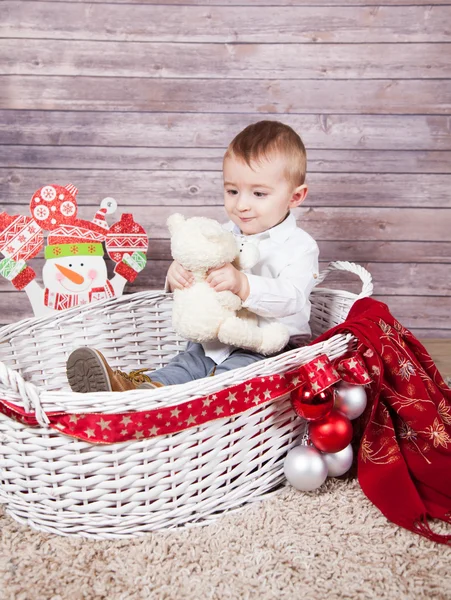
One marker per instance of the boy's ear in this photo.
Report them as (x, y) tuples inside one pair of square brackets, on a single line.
[(299, 195)]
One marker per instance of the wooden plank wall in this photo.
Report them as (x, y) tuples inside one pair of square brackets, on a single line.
[(138, 100)]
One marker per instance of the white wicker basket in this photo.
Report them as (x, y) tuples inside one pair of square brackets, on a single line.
[(62, 485)]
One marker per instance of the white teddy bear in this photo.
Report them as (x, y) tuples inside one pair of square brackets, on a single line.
[(201, 314)]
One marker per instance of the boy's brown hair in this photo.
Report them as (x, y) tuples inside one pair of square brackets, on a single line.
[(259, 140)]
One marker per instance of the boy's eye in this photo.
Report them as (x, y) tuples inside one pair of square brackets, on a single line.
[(233, 192), (260, 194)]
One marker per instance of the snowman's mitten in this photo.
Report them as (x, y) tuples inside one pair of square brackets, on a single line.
[(17, 272), (130, 266)]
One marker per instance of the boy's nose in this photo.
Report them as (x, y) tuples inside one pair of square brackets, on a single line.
[(242, 203)]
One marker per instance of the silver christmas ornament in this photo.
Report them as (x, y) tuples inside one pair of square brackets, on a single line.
[(338, 463), (351, 400), (305, 468)]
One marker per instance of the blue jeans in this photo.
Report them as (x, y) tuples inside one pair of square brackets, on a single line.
[(192, 364)]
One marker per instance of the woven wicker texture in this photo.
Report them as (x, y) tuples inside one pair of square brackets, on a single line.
[(61, 485)]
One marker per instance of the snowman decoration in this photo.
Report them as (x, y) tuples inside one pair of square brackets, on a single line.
[(74, 272)]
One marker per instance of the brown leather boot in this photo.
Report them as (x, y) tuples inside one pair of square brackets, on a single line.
[(88, 371)]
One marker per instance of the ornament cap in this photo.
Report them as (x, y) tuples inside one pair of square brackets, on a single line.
[(127, 219), (306, 438), (109, 204)]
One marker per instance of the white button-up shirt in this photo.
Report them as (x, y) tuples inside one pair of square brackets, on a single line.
[(280, 283)]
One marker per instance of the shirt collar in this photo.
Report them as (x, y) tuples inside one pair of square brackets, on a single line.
[(279, 233)]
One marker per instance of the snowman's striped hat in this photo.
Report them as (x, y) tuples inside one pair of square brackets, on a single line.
[(81, 238)]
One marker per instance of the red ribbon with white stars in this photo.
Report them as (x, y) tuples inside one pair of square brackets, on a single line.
[(101, 428)]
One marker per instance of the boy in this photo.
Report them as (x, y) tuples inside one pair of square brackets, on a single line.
[(264, 173)]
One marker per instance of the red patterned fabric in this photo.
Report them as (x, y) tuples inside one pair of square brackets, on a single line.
[(404, 459)]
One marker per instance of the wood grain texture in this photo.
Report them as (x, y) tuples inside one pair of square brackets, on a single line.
[(139, 99), (205, 188), (328, 223), (215, 130), (440, 351), (382, 96), (343, 162), (250, 24), (225, 61), (265, 2), (386, 251)]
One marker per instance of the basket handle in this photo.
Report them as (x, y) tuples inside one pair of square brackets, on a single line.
[(28, 392), (339, 265)]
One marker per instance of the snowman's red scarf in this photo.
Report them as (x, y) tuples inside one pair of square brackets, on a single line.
[(404, 459), (59, 301)]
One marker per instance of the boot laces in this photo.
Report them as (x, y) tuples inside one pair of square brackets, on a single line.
[(137, 377)]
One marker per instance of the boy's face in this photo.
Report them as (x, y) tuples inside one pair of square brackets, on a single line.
[(259, 198)]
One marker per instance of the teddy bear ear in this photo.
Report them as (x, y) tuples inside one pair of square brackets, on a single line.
[(174, 222), (248, 256)]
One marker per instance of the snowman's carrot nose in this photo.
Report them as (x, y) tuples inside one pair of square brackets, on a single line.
[(71, 275)]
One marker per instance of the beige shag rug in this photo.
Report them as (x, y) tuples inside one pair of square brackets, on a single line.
[(327, 544)]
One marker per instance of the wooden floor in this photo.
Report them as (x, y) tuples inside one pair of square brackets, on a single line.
[(440, 350)]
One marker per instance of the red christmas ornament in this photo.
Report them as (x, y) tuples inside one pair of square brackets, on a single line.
[(310, 406), (331, 434), (125, 237), (54, 205)]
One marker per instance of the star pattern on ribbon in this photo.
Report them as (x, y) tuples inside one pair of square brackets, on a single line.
[(96, 428)]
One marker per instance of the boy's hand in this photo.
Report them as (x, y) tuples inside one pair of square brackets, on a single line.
[(179, 278), (228, 278)]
